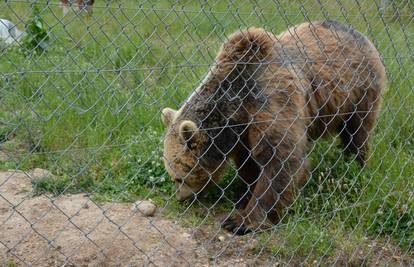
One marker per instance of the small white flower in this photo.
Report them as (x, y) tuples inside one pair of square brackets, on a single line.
[(320, 188)]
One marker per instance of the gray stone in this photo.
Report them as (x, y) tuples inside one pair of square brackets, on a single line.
[(144, 207), (40, 173)]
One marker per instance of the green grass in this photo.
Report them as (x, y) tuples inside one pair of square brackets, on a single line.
[(88, 108)]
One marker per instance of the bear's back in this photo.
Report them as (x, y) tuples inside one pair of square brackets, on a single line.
[(341, 67)]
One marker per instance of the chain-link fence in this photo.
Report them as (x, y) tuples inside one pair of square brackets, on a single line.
[(286, 144)]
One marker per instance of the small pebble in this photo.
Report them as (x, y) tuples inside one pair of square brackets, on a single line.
[(40, 173), (3, 156), (186, 235), (145, 208)]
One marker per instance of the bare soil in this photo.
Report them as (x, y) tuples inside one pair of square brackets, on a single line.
[(73, 230)]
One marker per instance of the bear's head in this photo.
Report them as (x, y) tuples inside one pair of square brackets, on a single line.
[(187, 155)]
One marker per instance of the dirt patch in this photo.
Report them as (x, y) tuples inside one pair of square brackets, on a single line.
[(73, 230)]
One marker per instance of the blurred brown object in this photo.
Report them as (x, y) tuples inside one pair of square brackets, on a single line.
[(83, 5)]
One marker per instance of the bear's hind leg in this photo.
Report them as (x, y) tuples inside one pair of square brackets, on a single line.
[(358, 126), (355, 139), (356, 133)]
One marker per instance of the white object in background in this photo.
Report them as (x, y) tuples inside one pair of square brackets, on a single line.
[(9, 33)]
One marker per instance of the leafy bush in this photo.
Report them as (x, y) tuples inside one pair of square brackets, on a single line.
[(37, 33)]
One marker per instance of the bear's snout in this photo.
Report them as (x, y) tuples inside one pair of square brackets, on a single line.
[(184, 192)]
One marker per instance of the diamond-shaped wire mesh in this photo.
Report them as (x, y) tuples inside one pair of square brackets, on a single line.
[(288, 139)]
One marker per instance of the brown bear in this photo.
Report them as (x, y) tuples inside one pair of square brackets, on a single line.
[(260, 104)]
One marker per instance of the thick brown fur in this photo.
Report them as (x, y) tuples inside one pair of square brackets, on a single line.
[(262, 102)]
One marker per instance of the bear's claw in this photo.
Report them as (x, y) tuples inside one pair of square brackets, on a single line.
[(236, 227)]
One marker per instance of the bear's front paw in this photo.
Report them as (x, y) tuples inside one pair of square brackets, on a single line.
[(236, 226)]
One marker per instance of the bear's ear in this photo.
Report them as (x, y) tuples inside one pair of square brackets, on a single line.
[(188, 129), (167, 116)]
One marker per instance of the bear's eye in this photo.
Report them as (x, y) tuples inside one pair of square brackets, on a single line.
[(178, 180), (184, 166)]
